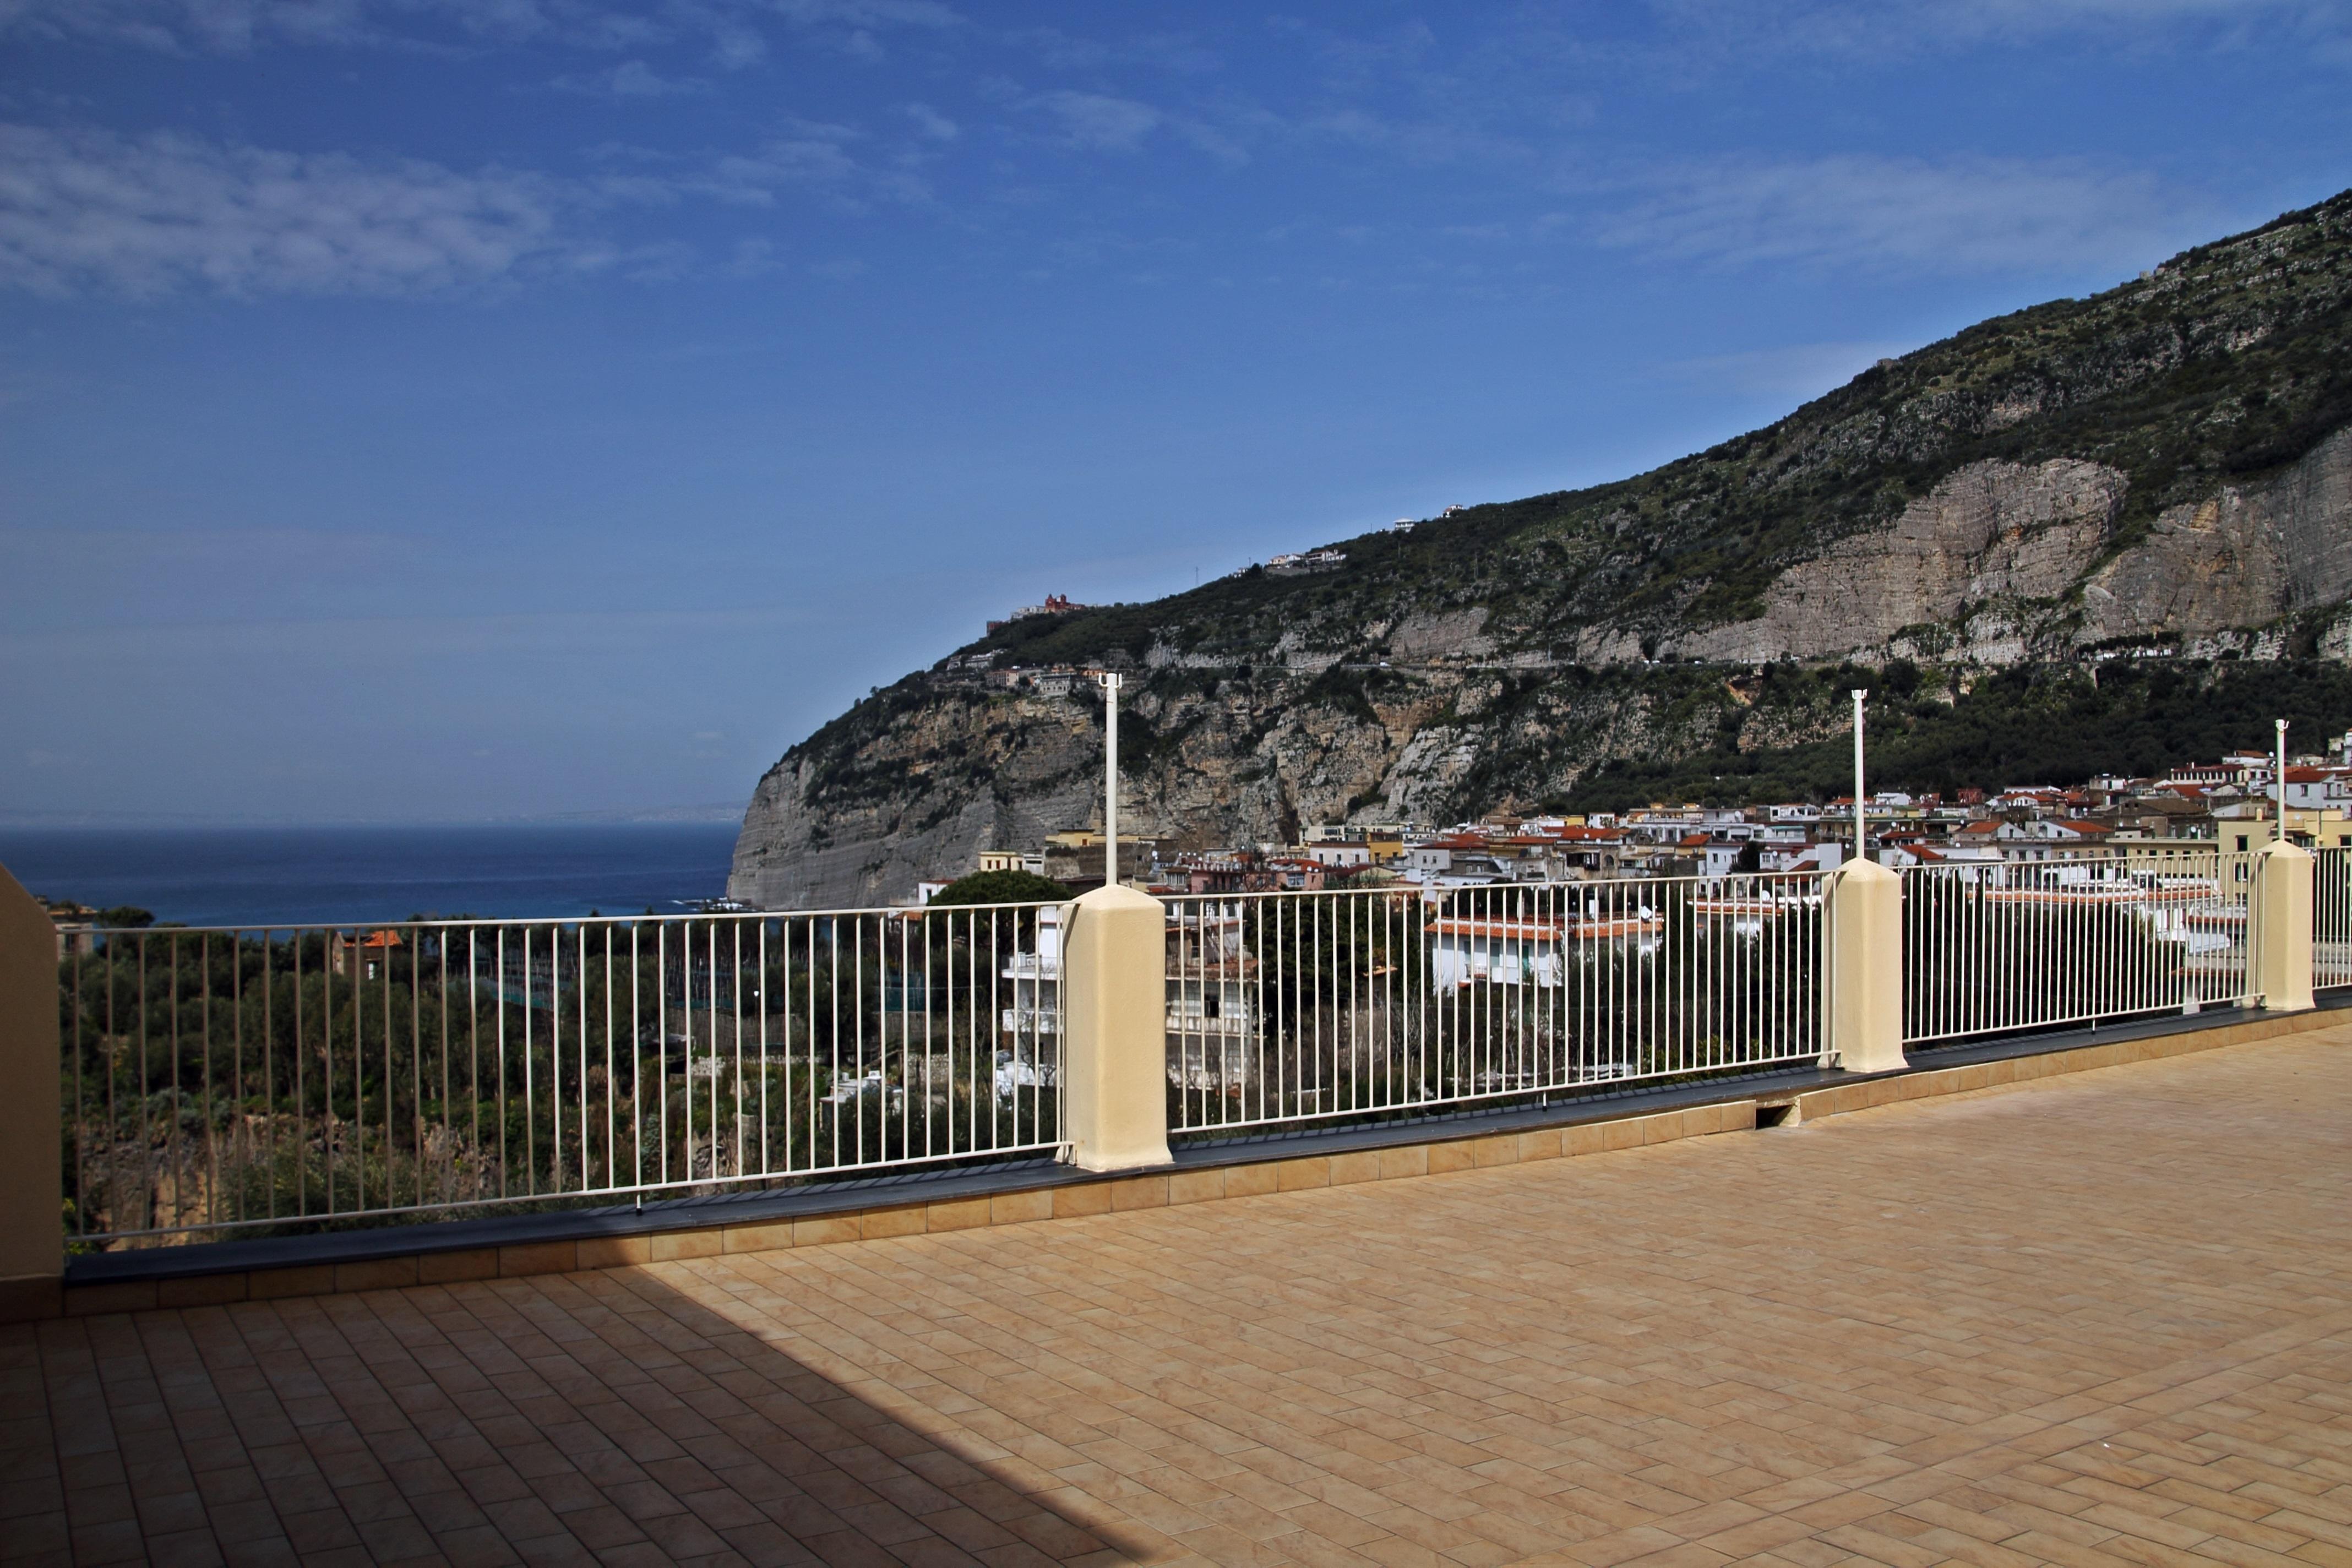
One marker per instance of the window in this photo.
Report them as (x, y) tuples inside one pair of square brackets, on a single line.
[(2242, 843)]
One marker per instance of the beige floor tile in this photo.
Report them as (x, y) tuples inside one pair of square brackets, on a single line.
[(2086, 1319)]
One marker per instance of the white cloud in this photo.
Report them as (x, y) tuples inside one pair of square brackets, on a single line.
[(92, 212), (1901, 28), (631, 80), (862, 13), (1958, 215), (817, 155), (235, 27), (1175, 52), (153, 215), (932, 124), (1100, 123), (730, 28)]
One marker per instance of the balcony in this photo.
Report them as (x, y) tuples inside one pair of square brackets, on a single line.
[(1632, 1265), (2086, 1319)]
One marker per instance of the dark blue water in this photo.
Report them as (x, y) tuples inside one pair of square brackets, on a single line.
[(321, 875)]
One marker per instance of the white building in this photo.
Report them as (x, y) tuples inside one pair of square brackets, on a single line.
[(1031, 1024), (1213, 1014)]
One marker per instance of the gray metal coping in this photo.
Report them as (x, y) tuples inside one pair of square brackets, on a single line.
[(816, 1200)]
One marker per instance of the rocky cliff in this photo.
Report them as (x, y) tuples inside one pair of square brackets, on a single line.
[(2163, 472)]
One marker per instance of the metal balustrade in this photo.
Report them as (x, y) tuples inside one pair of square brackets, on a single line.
[(1995, 946), (1291, 1007), (225, 1081), (2331, 917)]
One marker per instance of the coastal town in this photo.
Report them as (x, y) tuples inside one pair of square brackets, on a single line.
[(2229, 805)]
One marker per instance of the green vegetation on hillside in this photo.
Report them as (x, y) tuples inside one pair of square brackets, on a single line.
[(2031, 724)]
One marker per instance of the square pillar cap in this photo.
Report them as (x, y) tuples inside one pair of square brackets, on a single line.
[(1116, 896)]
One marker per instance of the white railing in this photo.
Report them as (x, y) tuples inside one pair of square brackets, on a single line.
[(2331, 917), (1286, 1007), (222, 1080), (1991, 947)]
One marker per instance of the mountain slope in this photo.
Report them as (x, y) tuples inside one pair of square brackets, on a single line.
[(2162, 469)]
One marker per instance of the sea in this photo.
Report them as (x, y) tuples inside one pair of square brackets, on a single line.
[(320, 876)]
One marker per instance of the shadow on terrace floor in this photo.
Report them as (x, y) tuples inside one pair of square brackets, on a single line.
[(2099, 1319), (562, 1420)]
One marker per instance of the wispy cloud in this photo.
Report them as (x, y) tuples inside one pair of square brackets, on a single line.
[(1956, 215), (730, 29), (235, 26), (1099, 122), (631, 80), (153, 215), (1876, 28), (808, 155), (86, 211), (1175, 52), (933, 125)]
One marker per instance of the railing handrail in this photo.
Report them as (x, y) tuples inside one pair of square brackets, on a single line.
[(1427, 893), (219, 1084), (249, 928)]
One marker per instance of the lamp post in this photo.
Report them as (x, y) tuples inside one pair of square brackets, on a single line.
[(1859, 853), (1110, 684)]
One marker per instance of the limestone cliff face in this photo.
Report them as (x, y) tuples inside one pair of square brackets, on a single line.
[(1993, 533), (2165, 468), (2003, 562), (936, 784), (2243, 557)]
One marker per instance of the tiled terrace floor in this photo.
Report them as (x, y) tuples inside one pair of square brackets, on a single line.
[(2098, 1319)]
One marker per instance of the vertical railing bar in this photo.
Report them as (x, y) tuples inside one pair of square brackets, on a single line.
[(767, 1139), (580, 1036), (301, 1085), (441, 993), (327, 1055), (416, 1054), (498, 993), (638, 1064), (735, 943), (612, 1075)]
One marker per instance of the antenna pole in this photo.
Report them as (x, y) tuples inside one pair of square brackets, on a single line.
[(1110, 684), (2281, 790), (1859, 852)]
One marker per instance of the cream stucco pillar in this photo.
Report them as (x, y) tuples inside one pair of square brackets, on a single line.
[(32, 1195), (1115, 1029), (1863, 1004), (2278, 927)]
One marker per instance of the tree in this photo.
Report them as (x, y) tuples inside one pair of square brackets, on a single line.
[(1001, 888)]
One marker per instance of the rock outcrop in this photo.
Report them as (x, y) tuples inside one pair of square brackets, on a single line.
[(1995, 533)]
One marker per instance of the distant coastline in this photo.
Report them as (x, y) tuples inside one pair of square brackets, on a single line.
[(712, 813), (242, 874)]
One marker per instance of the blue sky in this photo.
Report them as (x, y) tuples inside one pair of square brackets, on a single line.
[(450, 408)]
